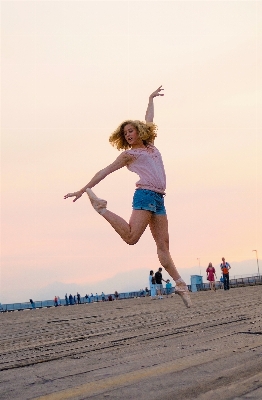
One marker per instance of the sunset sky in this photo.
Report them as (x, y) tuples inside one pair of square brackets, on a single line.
[(71, 71)]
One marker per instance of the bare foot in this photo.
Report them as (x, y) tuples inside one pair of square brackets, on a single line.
[(183, 292), (98, 204)]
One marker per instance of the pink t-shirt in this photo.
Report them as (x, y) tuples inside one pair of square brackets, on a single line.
[(149, 166)]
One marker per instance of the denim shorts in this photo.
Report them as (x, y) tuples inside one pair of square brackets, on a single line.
[(150, 201)]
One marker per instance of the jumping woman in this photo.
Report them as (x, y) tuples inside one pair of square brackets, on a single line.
[(140, 155)]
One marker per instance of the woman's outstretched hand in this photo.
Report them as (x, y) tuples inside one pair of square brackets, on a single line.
[(157, 92), (77, 195), (150, 108)]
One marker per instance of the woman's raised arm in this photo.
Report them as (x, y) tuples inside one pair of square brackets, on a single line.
[(121, 161), (150, 108)]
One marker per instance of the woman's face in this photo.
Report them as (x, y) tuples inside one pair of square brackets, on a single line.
[(132, 137)]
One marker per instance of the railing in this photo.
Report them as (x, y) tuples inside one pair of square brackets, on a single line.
[(62, 302), (248, 281), (233, 283)]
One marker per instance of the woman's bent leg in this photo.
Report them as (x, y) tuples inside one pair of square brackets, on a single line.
[(129, 232), (159, 229)]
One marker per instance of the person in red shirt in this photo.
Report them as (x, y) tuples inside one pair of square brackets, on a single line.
[(211, 274)]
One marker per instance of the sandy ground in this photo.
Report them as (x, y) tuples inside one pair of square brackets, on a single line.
[(136, 349)]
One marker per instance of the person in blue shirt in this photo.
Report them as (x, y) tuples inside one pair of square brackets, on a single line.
[(168, 287), (225, 267)]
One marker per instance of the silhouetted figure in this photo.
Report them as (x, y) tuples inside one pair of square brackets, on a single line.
[(32, 303), (55, 301)]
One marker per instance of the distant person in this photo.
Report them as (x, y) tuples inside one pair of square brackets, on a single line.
[(110, 297), (225, 267), (78, 298), (58, 301), (103, 297), (159, 284), (221, 282), (87, 298), (71, 300), (32, 303), (66, 299), (91, 298), (116, 295), (147, 291), (152, 284), (211, 274), (96, 297), (55, 301), (168, 287)]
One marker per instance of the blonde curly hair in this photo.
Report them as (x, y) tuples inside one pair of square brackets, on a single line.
[(146, 130)]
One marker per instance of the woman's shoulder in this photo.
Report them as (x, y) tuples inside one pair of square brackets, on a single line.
[(134, 153), (153, 149), (151, 146), (130, 155)]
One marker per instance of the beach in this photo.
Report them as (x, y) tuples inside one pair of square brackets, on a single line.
[(136, 349)]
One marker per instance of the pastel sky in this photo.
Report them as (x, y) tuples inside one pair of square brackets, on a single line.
[(71, 71)]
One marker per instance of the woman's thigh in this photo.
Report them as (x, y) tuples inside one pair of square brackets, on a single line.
[(138, 222), (159, 229)]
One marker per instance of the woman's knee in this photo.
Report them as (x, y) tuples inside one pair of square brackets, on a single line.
[(132, 239), (132, 242)]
